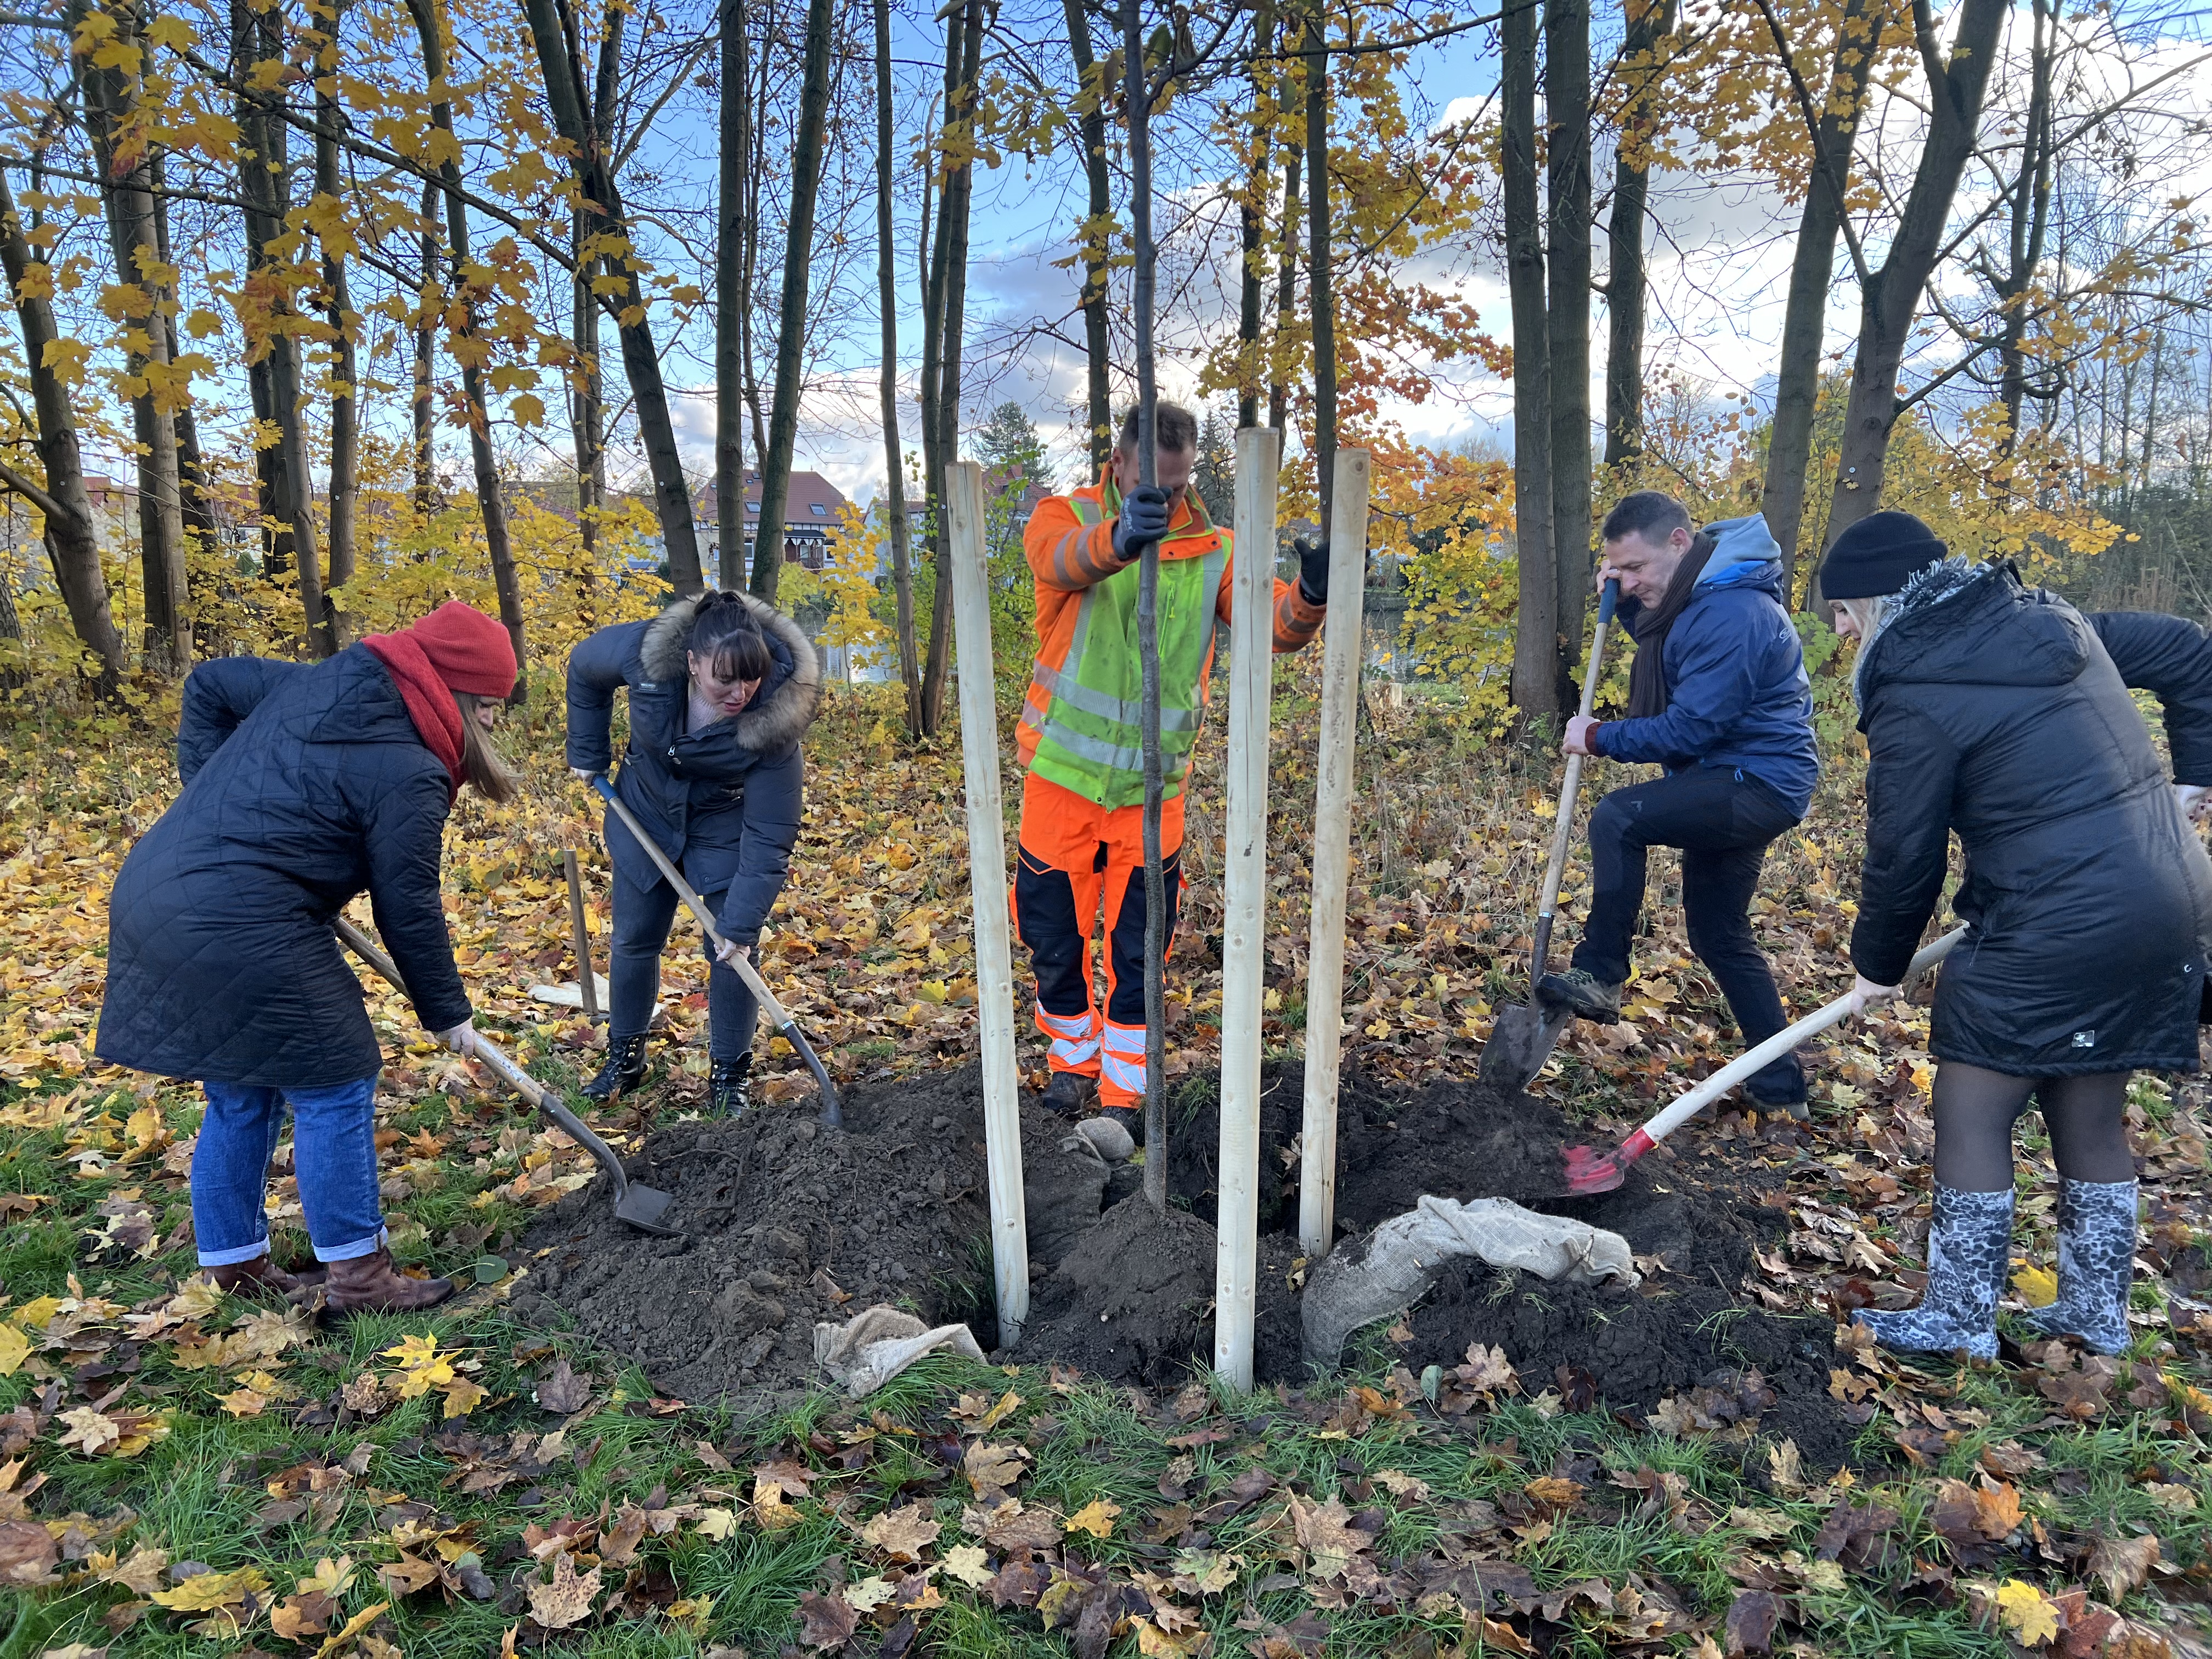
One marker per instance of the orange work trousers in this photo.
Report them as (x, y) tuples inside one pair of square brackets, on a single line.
[(1076, 856)]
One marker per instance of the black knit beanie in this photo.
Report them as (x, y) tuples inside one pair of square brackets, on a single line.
[(1878, 556)]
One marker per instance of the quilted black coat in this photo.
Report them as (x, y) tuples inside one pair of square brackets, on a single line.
[(2000, 713), (303, 786), (724, 802)]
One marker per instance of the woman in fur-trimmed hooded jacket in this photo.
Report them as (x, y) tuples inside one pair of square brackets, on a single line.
[(1999, 712), (721, 689)]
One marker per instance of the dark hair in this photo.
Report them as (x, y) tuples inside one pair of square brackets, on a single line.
[(1651, 514), (727, 636), (480, 762), (1174, 428)]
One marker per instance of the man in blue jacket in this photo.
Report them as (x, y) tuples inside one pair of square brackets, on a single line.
[(1717, 695)]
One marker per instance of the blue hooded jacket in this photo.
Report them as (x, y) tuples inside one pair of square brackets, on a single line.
[(1737, 697)]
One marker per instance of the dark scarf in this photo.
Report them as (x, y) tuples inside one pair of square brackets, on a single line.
[(1646, 676)]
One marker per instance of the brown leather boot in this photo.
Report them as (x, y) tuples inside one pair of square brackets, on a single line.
[(261, 1273), (371, 1284)]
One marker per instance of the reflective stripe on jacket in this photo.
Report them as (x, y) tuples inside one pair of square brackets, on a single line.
[(1081, 725)]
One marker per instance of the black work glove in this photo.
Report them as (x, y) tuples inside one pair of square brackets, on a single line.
[(1313, 570), (1143, 519)]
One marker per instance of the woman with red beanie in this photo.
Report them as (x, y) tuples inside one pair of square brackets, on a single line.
[(304, 785)]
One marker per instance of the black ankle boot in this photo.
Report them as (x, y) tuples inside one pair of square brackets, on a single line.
[(728, 1090), (623, 1072)]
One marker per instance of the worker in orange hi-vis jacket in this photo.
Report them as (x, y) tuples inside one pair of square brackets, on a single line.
[(1083, 795)]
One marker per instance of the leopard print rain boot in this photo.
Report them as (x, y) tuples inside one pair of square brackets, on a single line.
[(1969, 1248)]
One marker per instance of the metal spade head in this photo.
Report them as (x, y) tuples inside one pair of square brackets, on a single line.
[(1521, 1041), (643, 1207)]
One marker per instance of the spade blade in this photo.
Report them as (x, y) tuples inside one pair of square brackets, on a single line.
[(1520, 1042)]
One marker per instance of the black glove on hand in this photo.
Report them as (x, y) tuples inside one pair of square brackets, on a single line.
[(1313, 570), (1143, 519)]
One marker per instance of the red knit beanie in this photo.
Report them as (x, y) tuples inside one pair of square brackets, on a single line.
[(470, 651)]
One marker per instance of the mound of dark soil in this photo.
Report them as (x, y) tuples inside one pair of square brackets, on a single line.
[(786, 1224)]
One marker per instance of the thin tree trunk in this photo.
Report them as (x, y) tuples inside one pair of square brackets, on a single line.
[(1649, 21), (586, 416), (1536, 635), (72, 538), (2030, 205), (552, 30), (191, 464), (135, 240), (1139, 114), (894, 450), (504, 580), (346, 370), (731, 297), (1812, 278), (948, 282), (1286, 281), (1252, 225), (1892, 301), (1566, 105), (421, 404), (791, 317), (1090, 127), (265, 180), (1321, 286)]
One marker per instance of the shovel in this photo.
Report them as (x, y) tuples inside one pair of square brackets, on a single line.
[(640, 1207), (833, 1112), (1523, 1037), (1589, 1171)]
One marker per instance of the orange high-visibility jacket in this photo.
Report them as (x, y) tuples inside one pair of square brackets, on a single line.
[(1078, 724)]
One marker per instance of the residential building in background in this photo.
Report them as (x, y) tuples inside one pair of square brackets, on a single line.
[(811, 517)]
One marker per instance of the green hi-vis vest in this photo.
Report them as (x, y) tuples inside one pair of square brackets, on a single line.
[(1089, 735)]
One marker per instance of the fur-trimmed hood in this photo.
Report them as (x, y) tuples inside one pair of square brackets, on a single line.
[(788, 698)]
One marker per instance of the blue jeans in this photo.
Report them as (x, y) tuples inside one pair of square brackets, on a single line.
[(333, 1152), (643, 917)]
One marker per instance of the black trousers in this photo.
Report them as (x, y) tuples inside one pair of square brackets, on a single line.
[(1722, 819)]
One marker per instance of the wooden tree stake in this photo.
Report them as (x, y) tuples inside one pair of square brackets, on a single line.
[(1331, 851), (987, 875), (1244, 886)]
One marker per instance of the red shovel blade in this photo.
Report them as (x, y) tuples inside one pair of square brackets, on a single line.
[(1590, 1171)]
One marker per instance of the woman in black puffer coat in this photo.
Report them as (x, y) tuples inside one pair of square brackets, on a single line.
[(2000, 712), (721, 690), (303, 787)]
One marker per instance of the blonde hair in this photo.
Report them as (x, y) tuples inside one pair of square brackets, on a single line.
[(481, 764)]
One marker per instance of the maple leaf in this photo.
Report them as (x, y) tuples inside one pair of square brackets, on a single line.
[(965, 1562), (27, 1552), (15, 1349), (205, 1592), (826, 1621), (140, 1575), (2031, 1615), (306, 1615), (868, 1594), (2036, 1287), (903, 1534), (2121, 1563), (991, 1469), (1095, 1517), (462, 1396), (565, 1599), (1399, 1484), (1751, 1619), (1997, 1511), (561, 1390)]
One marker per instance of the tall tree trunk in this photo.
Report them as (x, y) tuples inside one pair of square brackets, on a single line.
[(731, 298), (1252, 221), (1892, 301), (345, 369), (505, 582), (422, 402), (1536, 635), (1649, 21), (909, 654), (1812, 278), (2028, 205), (1566, 114), (1321, 284), (265, 180), (948, 283), (791, 317), (1097, 226), (135, 240), (587, 414), (200, 527), (72, 538), (1286, 278), (552, 29)]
